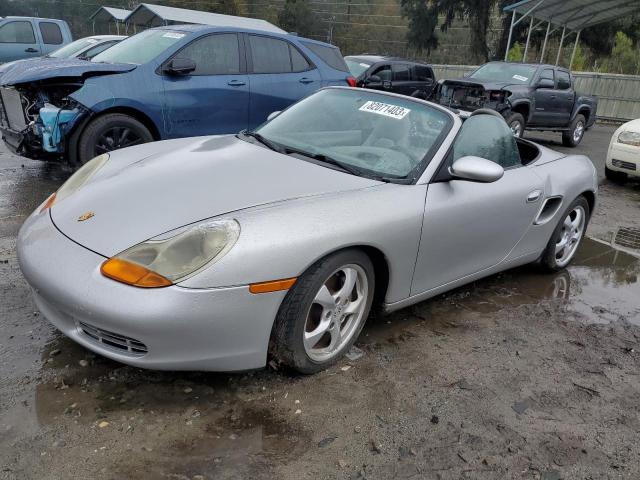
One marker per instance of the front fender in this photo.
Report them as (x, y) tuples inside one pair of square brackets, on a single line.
[(282, 240)]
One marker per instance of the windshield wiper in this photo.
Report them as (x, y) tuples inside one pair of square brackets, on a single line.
[(267, 143)]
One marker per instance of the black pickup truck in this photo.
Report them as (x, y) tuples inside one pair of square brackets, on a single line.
[(529, 96)]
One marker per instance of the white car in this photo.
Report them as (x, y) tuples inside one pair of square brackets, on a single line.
[(623, 156)]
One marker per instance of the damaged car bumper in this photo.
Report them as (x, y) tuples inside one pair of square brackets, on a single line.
[(34, 131)]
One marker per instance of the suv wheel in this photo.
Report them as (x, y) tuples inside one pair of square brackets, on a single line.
[(573, 136), (111, 132), (516, 123)]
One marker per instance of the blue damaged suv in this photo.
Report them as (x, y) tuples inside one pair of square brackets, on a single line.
[(167, 82)]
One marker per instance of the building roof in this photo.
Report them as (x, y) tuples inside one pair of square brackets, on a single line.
[(155, 15), (575, 14), (110, 13)]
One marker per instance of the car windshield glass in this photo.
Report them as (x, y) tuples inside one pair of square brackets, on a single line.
[(374, 134), (505, 72), (140, 48), (356, 67), (72, 48)]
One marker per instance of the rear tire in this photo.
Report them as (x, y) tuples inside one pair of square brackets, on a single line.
[(615, 176), (573, 136), (322, 314), (110, 132), (567, 236), (516, 123)]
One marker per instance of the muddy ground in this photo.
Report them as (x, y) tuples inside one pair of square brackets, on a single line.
[(521, 375)]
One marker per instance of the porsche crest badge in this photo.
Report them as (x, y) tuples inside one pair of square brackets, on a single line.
[(85, 216)]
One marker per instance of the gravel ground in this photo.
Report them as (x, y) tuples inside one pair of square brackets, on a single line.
[(521, 375)]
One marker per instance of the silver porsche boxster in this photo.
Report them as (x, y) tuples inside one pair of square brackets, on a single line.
[(214, 253)]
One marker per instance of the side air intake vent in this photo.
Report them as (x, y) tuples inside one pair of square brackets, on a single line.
[(549, 209)]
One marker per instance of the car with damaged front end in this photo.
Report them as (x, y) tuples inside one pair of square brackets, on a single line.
[(528, 96), (214, 253), (163, 83)]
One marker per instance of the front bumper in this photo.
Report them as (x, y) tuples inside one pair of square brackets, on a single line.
[(624, 158), (222, 329)]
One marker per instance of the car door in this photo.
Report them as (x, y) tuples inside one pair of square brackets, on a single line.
[(470, 226), (423, 79), (214, 98), (18, 40), (279, 75), (545, 99), (565, 97), (50, 35), (380, 77), (401, 79)]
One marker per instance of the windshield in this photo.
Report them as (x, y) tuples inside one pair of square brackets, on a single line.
[(356, 67), (73, 48), (140, 48), (379, 135), (505, 72)]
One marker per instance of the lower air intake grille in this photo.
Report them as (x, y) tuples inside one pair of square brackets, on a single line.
[(115, 341), (628, 237), (621, 164)]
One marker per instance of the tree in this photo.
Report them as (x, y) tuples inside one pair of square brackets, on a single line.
[(297, 16), (423, 19), (515, 53), (623, 58)]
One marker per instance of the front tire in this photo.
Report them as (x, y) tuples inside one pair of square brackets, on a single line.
[(516, 123), (324, 312), (111, 132), (573, 136), (567, 236)]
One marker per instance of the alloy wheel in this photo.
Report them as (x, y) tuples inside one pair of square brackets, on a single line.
[(115, 138), (578, 132), (336, 312), (516, 128), (570, 236)]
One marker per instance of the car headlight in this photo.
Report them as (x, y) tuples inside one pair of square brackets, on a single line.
[(164, 260), (630, 138), (75, 181)]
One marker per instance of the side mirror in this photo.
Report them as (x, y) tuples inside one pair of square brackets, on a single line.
[(180, 66), (373, 79), (476, 169), (545, 83), (273, 115)]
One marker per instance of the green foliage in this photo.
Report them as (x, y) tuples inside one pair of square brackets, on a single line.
[(297, 16), (623, 58), (423, 20), (580, 60), (515, 53)]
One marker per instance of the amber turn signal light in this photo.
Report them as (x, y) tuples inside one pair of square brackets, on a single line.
[(272, 286), (132, 274), (50, 201)]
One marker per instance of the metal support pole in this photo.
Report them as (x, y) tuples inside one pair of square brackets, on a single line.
[(526, 47), (575, 47), (560, 47), (93, 23), (513, 19), (544, 45), (118, 27)]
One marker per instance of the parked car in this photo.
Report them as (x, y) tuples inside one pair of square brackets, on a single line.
[(168, 82), (83, 48), (529, 96), (392, 74), (25, 37), (211, 253), (623, 156)]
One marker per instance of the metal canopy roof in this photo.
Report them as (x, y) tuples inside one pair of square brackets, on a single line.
[(575, 14), (110, 13), (151, 15)]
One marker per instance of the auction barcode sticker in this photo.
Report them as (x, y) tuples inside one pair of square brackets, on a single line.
[(385, 109), (173, 35)]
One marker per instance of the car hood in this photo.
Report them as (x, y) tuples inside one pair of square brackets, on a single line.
[(487, 85), (148, 190), (39, 69)]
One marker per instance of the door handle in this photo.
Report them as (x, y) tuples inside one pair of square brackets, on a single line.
[(534, 196), (236, 83), (305, 80), (30, 50)]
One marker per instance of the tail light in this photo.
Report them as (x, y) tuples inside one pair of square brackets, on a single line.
[(352, 82)]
